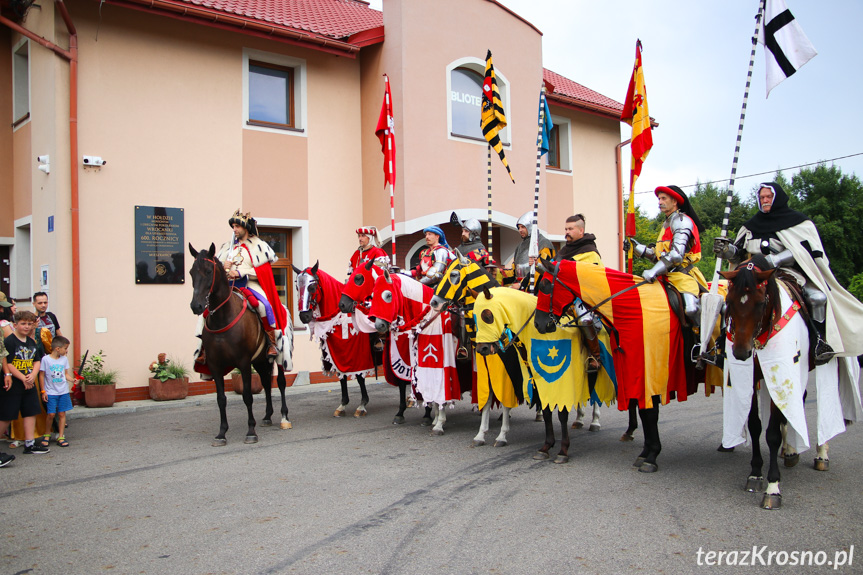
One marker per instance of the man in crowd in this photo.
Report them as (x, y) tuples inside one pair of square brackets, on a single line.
[(471, 245), (434, 258), (521, 261), (46, 319), (580, 246), (369, 250)]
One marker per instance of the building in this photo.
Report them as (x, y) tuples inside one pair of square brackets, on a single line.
[(271, 107)]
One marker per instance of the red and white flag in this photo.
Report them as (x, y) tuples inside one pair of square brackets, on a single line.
[(385, 133)]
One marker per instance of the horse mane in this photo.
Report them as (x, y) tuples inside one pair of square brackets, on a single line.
[(331, 292)]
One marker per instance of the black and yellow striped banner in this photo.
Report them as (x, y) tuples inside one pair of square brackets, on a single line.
[(493, 118)]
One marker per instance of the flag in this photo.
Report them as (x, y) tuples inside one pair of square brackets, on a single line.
[(386, 134), (546, 124), (786, 46), (493, 118), (636, 115)]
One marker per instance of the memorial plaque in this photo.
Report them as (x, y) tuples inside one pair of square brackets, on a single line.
[(159, 254)]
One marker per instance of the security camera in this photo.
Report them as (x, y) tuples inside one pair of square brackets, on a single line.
[(43, 159), (94, 161)]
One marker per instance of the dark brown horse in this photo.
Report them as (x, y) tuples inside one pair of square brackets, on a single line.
[(233, 337)]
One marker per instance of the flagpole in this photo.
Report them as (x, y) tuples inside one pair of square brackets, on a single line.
[(489, 203), (534, 232), (393, 221)]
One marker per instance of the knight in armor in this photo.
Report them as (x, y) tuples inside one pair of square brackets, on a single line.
[(520, 260), (471, 245), (790, 241), (247, 260), (677, 250), (369, 250), (434, 258)]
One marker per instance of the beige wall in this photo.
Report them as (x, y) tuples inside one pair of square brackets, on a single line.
[(6, 161)]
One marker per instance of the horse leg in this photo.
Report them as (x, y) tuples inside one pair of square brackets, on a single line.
[(563, 417), (633, 421), (222, 401), (267, 377), (403, 404), (772, 495), (652, 445), (361, 409), (280, 379), (427, 418), (439, 420), (540, 416), (504, 429), (822, 462), (789, 454), (755, 481), (594, 422), (549, 436), (579, 417), (341, 409), (251, 435), (479, 439)]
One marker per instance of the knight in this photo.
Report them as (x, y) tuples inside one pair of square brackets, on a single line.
[(521, 260), (471, 245), (369, 250), (677, 250), (434, 258), (790, 241)]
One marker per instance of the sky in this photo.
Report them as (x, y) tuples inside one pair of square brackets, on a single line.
[(696, 57)]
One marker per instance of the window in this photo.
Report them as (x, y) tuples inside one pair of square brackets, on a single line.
[(559, 155), (21, 82), (274, 95), (553, 157), (465, 78), (271, 95), (280, 240)]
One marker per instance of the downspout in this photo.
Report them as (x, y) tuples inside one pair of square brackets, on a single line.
[(620, 230), (71, 55)]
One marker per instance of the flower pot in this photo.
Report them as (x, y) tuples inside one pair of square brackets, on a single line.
[(168, 389), (100, 395), (237, 381)]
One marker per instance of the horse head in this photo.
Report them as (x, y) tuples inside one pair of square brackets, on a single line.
[(553, 299), (359, 286), (500, 314), (751, 303), (307, 292), (207, 276), (463, 275), (386, 299)]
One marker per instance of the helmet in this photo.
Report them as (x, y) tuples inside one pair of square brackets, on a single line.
[(525, 220), (474, 227), (244, 220)]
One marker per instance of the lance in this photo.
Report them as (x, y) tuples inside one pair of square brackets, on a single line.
[(533, 252)]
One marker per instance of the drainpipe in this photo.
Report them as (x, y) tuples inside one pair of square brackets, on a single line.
[(70, 55), (620, 231)]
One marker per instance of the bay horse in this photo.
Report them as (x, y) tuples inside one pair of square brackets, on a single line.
[(234, 337), (648, 352), (770, 343), (346, 351)]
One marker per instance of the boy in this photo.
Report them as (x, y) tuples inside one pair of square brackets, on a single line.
[(55, 375), (20, 392), (5, 458)]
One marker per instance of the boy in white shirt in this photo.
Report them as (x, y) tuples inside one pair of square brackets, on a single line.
[(55, 376)]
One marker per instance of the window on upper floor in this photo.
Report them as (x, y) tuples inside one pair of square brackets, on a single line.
[(553, 158), (21, 83), (559, 155), (465, 100), (274, 91)]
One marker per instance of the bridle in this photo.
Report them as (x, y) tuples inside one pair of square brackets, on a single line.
[(762, 334), (315, 299), (212, 311)]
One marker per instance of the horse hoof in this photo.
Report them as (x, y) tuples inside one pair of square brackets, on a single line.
[(626, 437), (339, 413), (648, 467), (594, 427), (266, 423), (478, 442), (561, 458), (436, 432), (360, 413), (755, 484), (500, 444), (286, 425), (771, 501), (251, 439), (219, 442), (792, 460), (541, 456), (638, 461), (821, 464), (426, 421), (538, 417), (398, 420), (577, 425), (723, 449)]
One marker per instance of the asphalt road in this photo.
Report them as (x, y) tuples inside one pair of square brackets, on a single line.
[(145, 492)]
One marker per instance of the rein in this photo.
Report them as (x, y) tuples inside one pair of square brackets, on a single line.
[(513, 338), (576, 296), (210, 312), (759, 340)]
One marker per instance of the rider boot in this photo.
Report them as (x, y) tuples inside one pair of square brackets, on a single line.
[(272, 351), (199, 329), (817, 303)]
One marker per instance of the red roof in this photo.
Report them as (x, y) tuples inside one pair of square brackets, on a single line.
[(573, 94)]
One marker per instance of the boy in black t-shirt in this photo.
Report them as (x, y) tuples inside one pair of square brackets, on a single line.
[(21, 394)]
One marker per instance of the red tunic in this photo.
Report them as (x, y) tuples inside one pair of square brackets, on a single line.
[(369, 255)]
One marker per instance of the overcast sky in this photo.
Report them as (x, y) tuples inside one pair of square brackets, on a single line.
[(696, 55)]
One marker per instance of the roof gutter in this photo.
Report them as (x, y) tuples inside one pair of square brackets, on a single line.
[(240, 24), (70, 55)]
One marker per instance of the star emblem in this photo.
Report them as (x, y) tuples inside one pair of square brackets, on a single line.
[(552, 352)]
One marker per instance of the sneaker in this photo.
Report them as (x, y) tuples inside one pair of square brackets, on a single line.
[(6, 459), (35, 450)]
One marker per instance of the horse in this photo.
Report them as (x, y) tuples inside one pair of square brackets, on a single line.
[(399, 306), (770, 342), (345, 351), (396, 353), (648, 351), (554, 362), (234, 337), (499, 377)]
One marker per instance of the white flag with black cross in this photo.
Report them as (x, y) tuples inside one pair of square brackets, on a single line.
[(786, 46)]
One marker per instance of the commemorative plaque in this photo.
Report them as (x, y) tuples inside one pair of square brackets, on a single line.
[(159, 255)]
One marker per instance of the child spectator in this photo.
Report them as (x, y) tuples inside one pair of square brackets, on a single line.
[(5, 458), (20, 393), (55, 376)]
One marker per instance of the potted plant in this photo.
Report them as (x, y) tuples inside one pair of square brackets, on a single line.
[(99, 382), (169, 379), (237, 381)]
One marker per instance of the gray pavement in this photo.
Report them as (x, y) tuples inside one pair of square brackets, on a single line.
[(142, 491)]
